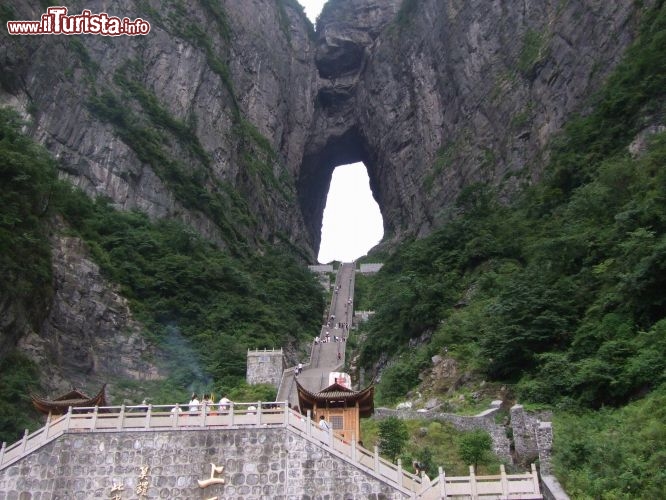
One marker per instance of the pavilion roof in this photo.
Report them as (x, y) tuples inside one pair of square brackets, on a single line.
[(336, 394), (74, 398)]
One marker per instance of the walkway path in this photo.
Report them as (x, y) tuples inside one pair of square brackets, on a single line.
[(326, 356)]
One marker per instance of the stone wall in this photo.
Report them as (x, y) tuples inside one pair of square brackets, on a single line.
[(551, 488), (321, 268), (258, 463), (524, 437), (544, 439), (485, 421), (265, 367), (370, 268), (532, 437)]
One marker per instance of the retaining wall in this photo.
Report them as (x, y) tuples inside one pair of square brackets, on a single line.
[(486, 421), (258, 463)]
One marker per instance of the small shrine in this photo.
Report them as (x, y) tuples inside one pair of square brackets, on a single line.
[(341, 406), (74, 398)]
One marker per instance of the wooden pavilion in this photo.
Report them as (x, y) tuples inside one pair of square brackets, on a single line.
[(342, 407), (74, 398)]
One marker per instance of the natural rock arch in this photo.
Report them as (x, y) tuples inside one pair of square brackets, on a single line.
[(435, 96), (317, 171), (337, 137)]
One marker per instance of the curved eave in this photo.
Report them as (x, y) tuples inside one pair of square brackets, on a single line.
[(364, 398), (61, 405)]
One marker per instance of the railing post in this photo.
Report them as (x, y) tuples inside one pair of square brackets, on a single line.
[(400, 473), (94, 420), (148, 414), (2, 452), (24, 441), (259, 413), (231, 413), (353, 449), (308, 427), (68, 418), (472, 483), (504, 481), (47, 427), (535, 479), (376, 458), (442, 482), (121, 417), (287, 411), (203, 408)]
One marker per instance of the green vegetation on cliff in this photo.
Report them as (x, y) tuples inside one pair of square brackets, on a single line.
[(27, 172), (433, 444), (559, 294), (187, 291), (19, 380), (27, 199), (614, 453), (202, 306)]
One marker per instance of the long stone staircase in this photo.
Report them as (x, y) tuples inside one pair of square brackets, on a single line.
[(103, 441), (325, 357)]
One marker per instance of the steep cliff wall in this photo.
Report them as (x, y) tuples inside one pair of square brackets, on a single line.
[(203, 119), (346, 36), (89, 336), (433, 96), (252, 115)]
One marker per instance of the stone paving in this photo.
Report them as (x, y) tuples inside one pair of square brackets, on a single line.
[(315, 374)]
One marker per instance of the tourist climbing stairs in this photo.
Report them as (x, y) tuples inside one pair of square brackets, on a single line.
[(328, 353)]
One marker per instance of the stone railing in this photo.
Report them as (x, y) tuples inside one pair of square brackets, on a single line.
[(261, 415), (505, 486)]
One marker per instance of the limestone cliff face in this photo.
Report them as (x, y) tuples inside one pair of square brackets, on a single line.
[(203, 120), (205, 82), (347, 34), (89, 336), (434, 96), (431, 95), (231, 116)]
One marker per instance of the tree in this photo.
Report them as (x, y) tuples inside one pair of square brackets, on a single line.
[(393, 436), (475, 446)]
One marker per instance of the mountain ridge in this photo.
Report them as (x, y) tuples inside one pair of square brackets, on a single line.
[(231, 116)]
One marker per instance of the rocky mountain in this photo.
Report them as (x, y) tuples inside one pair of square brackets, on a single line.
[(214, 102), (89, 334), (231, 116), (433, 96)]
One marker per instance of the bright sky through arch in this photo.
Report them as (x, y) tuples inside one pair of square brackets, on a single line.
[(352, 222), (312, 8)]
